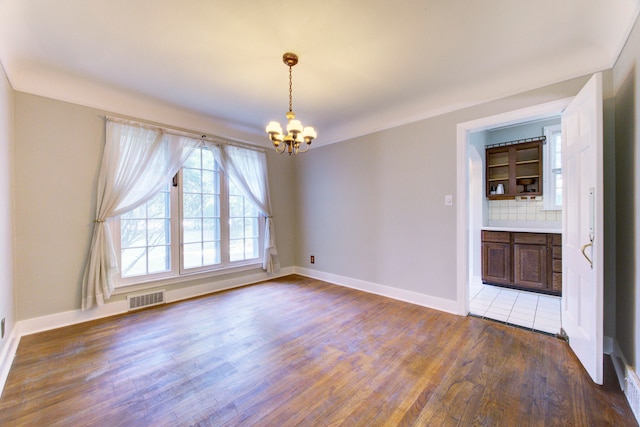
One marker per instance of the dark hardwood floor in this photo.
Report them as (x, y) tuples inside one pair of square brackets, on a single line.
[(297, 351)]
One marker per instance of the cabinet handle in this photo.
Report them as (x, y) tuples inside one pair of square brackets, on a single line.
[(584, 248)]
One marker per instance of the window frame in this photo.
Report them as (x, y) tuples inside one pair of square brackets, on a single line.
[(178, 273), (550, 173)]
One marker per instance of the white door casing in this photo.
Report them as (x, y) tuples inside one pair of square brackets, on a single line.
[(582, 246)]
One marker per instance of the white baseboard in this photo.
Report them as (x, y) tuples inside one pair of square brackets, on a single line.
[(7, 355), (628, 379), (436, 303)]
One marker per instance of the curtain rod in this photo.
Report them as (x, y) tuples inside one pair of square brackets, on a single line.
[(189, 134)]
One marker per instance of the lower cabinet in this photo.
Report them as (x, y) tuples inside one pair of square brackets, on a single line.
[(531, 261)]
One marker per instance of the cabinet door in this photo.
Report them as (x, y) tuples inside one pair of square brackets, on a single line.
[(530, 266), (496, 262)]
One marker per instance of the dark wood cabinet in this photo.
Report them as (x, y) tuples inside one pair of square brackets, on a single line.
[(530, 261), (556, 262), (497, 265), (516, 167)]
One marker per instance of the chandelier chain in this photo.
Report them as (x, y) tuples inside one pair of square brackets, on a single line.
[(290, 91)]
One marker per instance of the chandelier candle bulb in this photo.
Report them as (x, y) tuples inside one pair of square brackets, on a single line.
[(294, 126)]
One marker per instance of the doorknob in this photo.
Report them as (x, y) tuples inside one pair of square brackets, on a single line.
[(584, 248)]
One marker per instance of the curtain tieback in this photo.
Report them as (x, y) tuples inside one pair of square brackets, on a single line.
[(100, 220)]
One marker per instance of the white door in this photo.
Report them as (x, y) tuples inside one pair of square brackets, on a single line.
[(582, 253)]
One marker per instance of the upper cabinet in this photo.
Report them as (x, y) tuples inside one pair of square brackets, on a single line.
[(514, 169)]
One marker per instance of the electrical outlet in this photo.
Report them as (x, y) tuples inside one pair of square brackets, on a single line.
[(2, 328), (313, 259)]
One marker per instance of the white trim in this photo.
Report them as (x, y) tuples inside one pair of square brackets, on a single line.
[(412, 297), (540, 111), (7, 356)]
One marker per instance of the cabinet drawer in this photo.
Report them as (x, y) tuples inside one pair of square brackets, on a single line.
[(557, 266), (496, 236), (557, 252), (556, 239), (530, 238)]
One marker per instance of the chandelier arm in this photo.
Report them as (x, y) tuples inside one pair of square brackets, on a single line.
[(280, 148), (305, 150)]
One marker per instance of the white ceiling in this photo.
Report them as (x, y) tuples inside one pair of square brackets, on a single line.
[(365, 65)]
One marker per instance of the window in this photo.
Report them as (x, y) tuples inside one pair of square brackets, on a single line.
[(200, 222), (552, 158)]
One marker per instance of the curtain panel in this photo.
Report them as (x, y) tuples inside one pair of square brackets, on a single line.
[(248, 170), (137, 162)]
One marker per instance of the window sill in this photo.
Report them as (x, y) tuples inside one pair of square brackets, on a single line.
[(149, 284)]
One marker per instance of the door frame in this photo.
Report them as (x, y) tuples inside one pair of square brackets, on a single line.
[(463, 190)]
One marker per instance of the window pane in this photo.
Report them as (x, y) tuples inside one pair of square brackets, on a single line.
[(139, 212), (251, 248), (208, 161), (133, 233), (236, 206), (192, 180), (211, 206), (159, 259), (211, 254), (559, 189), (134, 262), (193, 161), (192, 206), (250, 209), (236, 228), (158, 232), (236, 250), (192, 230), (192, 254), (158, 207), (211, 229), (251, 227), (210, 184)]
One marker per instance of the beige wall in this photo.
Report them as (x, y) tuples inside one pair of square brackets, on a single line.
[(626, 75), (372, 208), (57, 158), (7, 289)]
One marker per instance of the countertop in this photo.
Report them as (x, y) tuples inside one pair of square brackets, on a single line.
[(524, 226), (524, 230)]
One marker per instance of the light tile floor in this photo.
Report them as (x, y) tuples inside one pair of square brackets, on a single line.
[(525, 309)]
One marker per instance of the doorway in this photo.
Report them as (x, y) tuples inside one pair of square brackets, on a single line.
[(530, 309), (470, 208)]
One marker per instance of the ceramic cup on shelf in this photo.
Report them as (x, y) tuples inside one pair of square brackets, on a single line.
[(500, 189)]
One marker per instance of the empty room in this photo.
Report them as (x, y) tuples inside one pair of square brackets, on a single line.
[(319, 213)]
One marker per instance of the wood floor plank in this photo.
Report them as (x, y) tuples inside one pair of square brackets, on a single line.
[(299, 351)]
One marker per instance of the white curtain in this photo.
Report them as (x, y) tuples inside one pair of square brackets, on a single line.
[(138, 161), (247, 168)]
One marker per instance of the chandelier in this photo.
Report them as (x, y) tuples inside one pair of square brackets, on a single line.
[(296, 133)]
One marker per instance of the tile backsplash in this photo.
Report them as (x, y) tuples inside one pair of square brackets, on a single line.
[(521, 210)]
